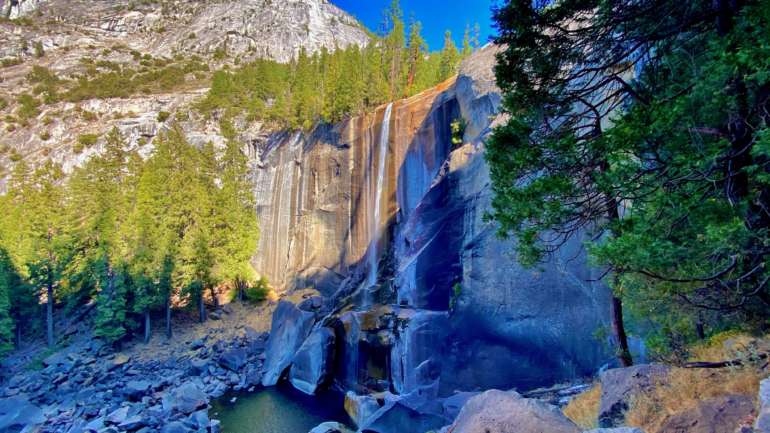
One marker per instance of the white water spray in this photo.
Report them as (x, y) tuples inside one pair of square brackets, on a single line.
[(372, 258)]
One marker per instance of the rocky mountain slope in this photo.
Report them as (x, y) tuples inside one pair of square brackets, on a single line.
[(87, 40), (243, 28)]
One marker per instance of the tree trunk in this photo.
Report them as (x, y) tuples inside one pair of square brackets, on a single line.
[(49, 314), (147, 327), (168, 317), (214, 297), (619, 329), (201, 308), (616, 309), (18, 334)]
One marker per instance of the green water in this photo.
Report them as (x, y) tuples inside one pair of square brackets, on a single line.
[(277, 410)]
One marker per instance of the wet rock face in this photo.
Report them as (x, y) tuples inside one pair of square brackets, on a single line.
[(462, 311)]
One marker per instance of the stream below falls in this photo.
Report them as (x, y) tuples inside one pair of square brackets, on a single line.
[(280, 409)]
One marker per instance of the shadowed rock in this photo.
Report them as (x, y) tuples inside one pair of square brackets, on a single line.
[(312, 365), (620, 386), (290, 327)]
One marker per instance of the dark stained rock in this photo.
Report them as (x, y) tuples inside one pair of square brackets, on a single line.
[(620, 386), (233, 359), (717, 415), (290, 327), (312, 365), (507, 412)]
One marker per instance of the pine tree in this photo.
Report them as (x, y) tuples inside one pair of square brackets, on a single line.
[(450, 58), (8, 278), (417, 48), (237, 222), (467, 42)]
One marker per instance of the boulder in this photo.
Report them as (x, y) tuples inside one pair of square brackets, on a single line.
[(615, 430), (360, 407), (175, 427), (507, 412), (454, 404), (290, 327), (136, 389), (119, 361), (118, 415), (716, 415), (331, 427), (313, 363), (396, 416), (620, 386), (233, 359), (186, 399), (17, 413), (762, 424)]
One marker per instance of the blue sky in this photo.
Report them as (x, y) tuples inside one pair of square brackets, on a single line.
[(436, 16)]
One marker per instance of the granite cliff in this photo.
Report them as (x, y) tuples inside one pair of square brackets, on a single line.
[(383, 215)]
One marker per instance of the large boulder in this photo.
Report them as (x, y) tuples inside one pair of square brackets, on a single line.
[(716, 415), (313, 363), (185, 399), (233, 359), (620, 386), (360, 407), (507, 412), (762, 424), (290, 327), (398, 416), (17, 413)]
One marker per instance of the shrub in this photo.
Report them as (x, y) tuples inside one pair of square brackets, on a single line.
[(15, 156), (84, 142), (3, 104), (39, 51), (8, 62), (163, 116), (259, 291), (458, 131), (28, 107), (45, 135)]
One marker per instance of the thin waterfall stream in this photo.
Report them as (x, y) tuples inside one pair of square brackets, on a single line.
[(372, 256)]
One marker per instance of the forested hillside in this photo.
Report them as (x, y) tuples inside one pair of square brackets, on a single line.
[(139, 229)]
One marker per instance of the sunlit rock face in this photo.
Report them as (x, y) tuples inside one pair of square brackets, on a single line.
[(318, 193), (450, 308)]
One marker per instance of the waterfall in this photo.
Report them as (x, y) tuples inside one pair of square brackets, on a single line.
[(372, 259)]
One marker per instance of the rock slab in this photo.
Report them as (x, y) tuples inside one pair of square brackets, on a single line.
[(290, 327), (313, 363), (497, 411)]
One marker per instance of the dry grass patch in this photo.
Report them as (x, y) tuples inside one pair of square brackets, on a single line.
[(583, 410), (682, 389)]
